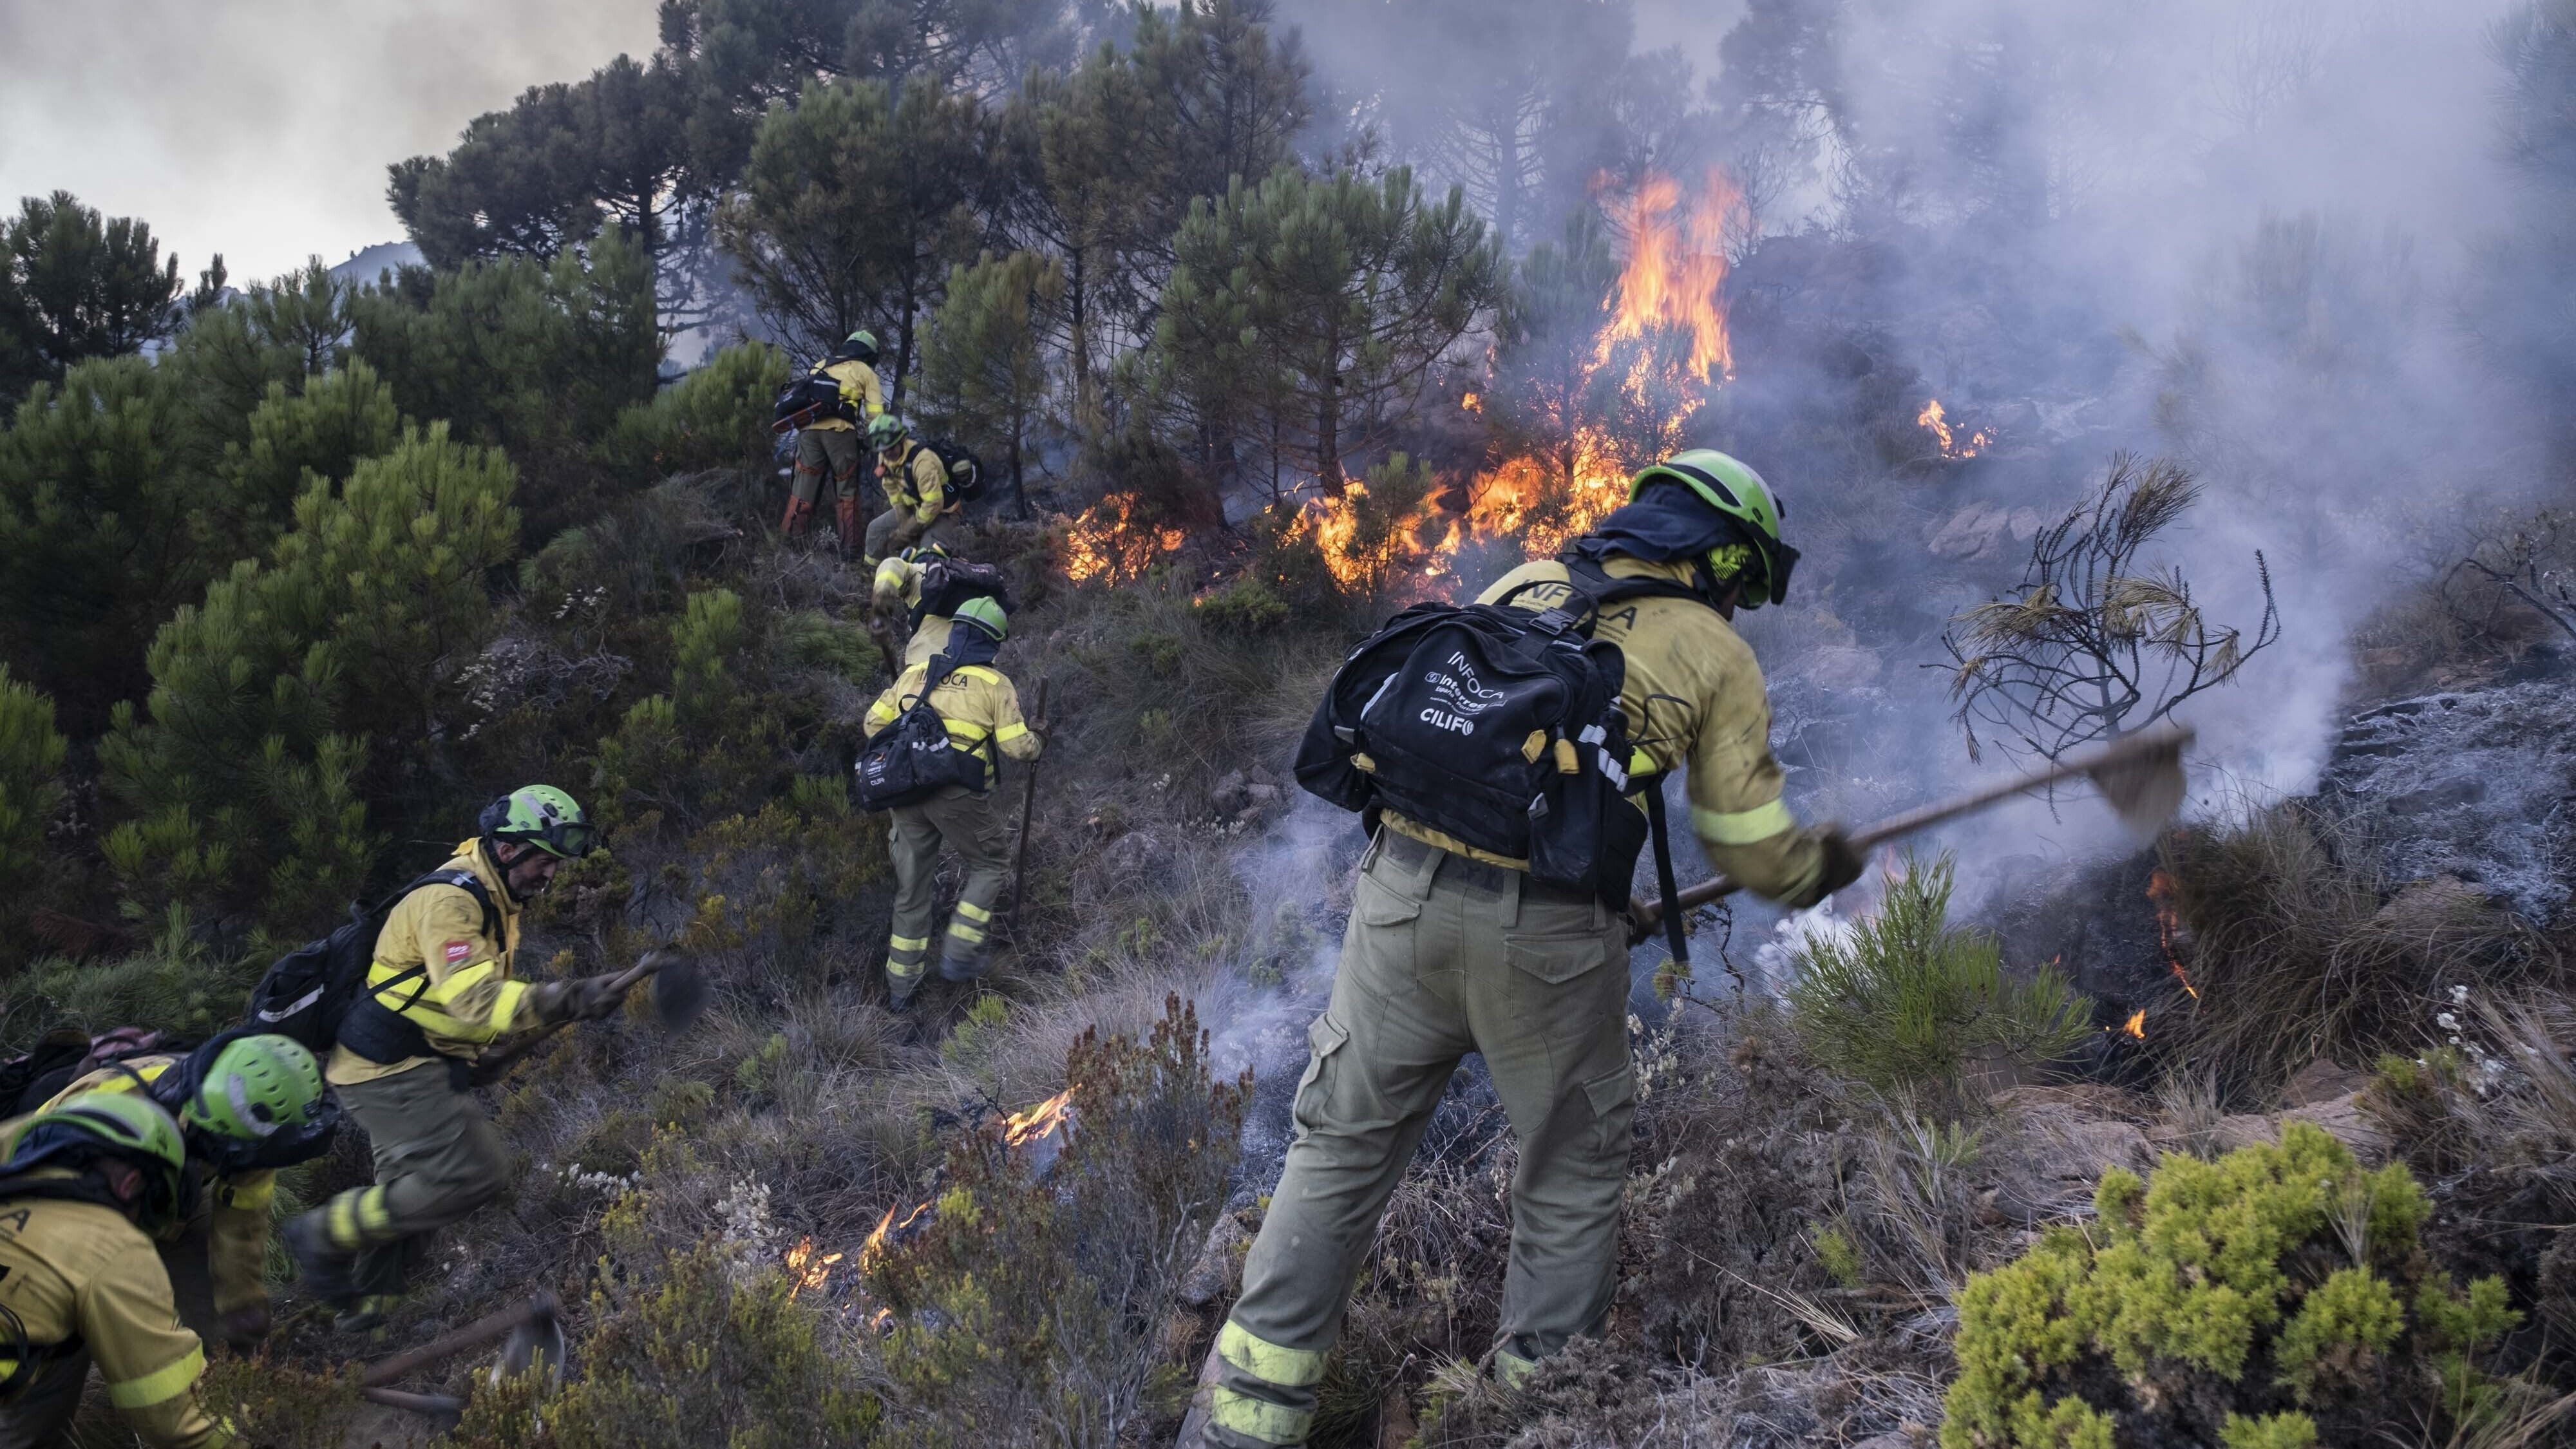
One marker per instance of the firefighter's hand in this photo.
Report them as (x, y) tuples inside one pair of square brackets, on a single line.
[(584, 998)]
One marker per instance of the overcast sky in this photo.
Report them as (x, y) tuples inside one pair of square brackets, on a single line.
[(262, 128)]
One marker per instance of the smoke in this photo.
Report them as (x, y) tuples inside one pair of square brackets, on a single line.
[(262, 128)]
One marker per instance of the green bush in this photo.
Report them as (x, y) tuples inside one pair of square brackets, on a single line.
[(31, 767), (2277, 1297), (242, 774), (174, 984), (1905, 1002), (1246, 604), (716, 417)]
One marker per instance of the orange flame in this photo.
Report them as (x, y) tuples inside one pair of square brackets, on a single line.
[(1676, 272), (1037, 1133), (1109, 541), (2160, 890), (2136, 1025), (1935, 418), (1041, 1121), (807, 1271)]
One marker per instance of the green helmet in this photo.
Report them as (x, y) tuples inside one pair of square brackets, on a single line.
[(255, 1086), (862, 345), (884, 431), (1729, 486), (985, 613), (125, 1125), (544, 817)]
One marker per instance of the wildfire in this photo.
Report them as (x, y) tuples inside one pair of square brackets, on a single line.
[(2136, 1025), (1108, 541), (807, 1271), (1037, 1134), (2160, 890), (1676, 272), (1952, 446)]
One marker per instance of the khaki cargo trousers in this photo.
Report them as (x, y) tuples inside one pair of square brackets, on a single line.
[(1444, 956), (826, 454), (969, 823)]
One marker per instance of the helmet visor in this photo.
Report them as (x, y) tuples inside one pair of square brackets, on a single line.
[(570, 839)]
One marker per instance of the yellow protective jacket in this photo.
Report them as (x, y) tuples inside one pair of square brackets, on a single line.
[(1694, 700), (898, 582), (77, 1270), (978, 704), (236, 1204), (915, 481), (467, 1000), (859, 388)]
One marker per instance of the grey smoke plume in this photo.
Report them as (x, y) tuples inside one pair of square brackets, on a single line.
[(262, 128)]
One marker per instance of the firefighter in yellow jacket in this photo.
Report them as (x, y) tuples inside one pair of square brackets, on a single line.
[(919, 501), (829, 447), (441, 993), (896, 591), (981, 710), (1452, 950), (247, 1104), (85, 1186)]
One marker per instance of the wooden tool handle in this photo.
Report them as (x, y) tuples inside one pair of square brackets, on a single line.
[(481, 1331)]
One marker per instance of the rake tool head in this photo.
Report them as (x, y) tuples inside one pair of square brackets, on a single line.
[(679, 993), (2142, 778), (536, 1343)]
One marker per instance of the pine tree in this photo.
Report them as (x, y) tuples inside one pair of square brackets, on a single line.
[(1347, 291), (984, 361), (31, 767), (73, 286)]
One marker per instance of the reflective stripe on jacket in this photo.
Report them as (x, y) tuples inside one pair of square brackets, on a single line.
[(462, 996), (77, 1270)]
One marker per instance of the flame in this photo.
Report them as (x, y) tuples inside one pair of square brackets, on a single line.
[(1472, 403), (1935, 418), (806, 1271), (1043, 1120), (1676, 272), (1037, 1133), (2160, 890), (2136, 1025), (1110, 542)]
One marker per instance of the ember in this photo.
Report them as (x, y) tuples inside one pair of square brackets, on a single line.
[(1111, 543)]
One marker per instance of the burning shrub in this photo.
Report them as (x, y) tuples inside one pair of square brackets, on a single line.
[(2277, 1297), (1036, 1291), (1904, 1003), (2294, 948)]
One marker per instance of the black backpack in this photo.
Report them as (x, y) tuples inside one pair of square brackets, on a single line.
[(948, 583), (306, 993), (806, 401), (965, 470), (1496, 725), (913, 759)]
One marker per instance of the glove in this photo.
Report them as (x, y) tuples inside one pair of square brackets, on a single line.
[(1843, 864), (244, 1327), (584, 998)]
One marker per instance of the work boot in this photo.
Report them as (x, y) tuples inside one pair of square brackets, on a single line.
[(328, 1271), (960, 969), (367, 1313), (845, 515), (798, 510)]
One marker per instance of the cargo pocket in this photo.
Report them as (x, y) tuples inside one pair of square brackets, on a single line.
[(1556, 959), (1613, 1095), (1378, 950), (1323, 1039)]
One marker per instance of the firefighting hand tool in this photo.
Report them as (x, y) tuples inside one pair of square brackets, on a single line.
[(533, 1324), (1028, 812), (2141, 776)]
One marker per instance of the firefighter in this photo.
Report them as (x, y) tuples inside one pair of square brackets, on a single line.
[(896, 592), (982, 712), (85, 1186), (918, 505), (829, 447), (1451, 950), (440, 994), (247, 1104)]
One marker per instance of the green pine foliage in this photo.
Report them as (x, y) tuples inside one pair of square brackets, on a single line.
[(2276, 1297), (984, 363), (247, 769), (1905, 1002), (75, 285), (716, 417), (31, 788)]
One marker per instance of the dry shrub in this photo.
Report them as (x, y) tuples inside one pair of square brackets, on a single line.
[(2300, 949), (270, 1401)]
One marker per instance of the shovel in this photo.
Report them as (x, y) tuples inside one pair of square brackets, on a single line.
[(537, 1323), (2141, 776)]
